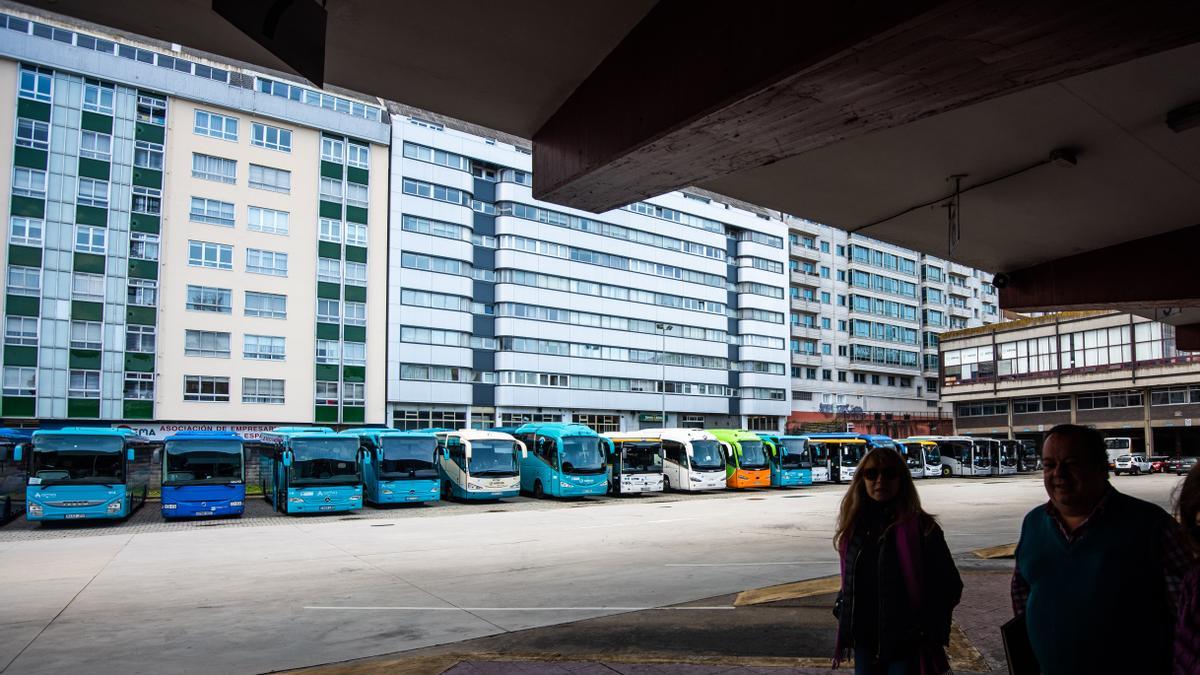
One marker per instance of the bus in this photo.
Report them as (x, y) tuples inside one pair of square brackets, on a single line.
[(692, 459), (479, 464), (923, 457), (961, 456), (1004, 457), (310, 470), (203, 474), (564, 460), (12, 477), (82, 472), (837, 454), (790, 459), (635, 463), (1116, 446), (398, 466), (746, 464)]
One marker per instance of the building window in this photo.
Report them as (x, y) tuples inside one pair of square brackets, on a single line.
[(217, 126), (205, 343), (90, 239), (209, 299), (1109, 399), (328, 310), (264, 347), (146, 200), (211, 211), (329, 270), (95, 145), (29, 183), (328, 351), (87, 286), (257, 390), (209, 254), (357, 195), (143, 292), (84, 384), (205, 388), (147, 155), (327, 393), (152, 109), (980, 409), (21, 330), (93, 192), (139, 386), (37, 83), (354, 354), (329, 230), (219, 169), (24, 281), (273, 263), (1175, 395), (331, 189), (267, 178), (139, 339), (267, 220), (355, 314), (143, 245), (354, 394), (33, 134), (356, 273), (266, 305), (356, 234), (358, 156), (20, 381), (86, 334), (332, 149), (272, 138), (25, 231)]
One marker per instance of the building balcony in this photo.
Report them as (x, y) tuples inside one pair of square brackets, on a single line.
[(803, 305), (801, 251), (805, 331), (803, 278), (806, 359)]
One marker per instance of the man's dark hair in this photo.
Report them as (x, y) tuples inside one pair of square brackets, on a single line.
[(1089, 439)]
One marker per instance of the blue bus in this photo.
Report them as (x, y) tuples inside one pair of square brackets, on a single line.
[(791, 463), (12, 473), (82, 472), (398, 466), (564, 460), (480, 464), (203, 474), (310, 470)]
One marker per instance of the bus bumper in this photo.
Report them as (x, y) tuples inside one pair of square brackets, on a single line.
[(316, 500), (408, 492), (748, 479), (198, 501), (791, 479), (460, 493), (75, 503), (193, 509)]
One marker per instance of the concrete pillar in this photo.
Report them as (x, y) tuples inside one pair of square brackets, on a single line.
[(1074, 409), (1146, 428), (1010, 418)]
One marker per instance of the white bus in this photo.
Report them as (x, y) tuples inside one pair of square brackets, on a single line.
[(961, 456), (1004, 457), (479, 464), (838, 454), (692, 459), (634, 462), (923, 457)]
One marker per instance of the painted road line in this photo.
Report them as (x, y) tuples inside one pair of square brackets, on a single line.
[(630, 524), (754, 564), (517, 609)]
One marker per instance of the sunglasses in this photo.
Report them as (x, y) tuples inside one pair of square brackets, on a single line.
[(888, 474)]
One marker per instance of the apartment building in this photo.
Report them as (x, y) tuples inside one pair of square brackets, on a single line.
[(1117, 373), (188, 241), (505, 309), (865, 322)]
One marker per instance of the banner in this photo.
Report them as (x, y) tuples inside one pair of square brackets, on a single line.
[(157, 432)]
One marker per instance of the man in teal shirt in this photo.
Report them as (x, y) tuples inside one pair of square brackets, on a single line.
[(1076, 560)]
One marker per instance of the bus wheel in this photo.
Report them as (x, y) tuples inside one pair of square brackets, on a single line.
[(946, 472), (538, 492), (666, 484)]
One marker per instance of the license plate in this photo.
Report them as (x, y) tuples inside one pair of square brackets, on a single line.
[(73, 515), (327, 508), (204, 513)]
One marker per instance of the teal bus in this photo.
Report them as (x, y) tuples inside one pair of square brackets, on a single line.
[(398, 467), (310, 470), (564, 460), (83, 472), (790, 460)]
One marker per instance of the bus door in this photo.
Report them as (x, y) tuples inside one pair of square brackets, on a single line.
[(822, 464), (675, 465)]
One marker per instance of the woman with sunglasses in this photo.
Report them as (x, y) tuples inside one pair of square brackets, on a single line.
[(899, 582)]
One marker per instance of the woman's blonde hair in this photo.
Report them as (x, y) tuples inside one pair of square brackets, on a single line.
[(907, 503)]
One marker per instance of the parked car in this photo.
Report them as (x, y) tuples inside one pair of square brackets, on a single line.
[(1133, 464), (1158, 463), (1185, 465)]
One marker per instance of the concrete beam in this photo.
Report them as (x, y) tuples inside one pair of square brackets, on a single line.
[(1153, 272), (700, 90)]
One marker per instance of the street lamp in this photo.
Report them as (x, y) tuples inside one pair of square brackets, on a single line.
[(662, 328)]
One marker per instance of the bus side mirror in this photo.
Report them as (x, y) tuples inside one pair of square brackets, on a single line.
[(445, 454), (524, 450), (156, 457), (18, 452), (129, 454), (287, 458)]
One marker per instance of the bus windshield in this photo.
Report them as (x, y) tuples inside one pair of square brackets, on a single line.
[(407, 457), (753, 456), (912, 455), (983, 454), (706, 456), (640, 458), (203, 461), (325, 461), (581, 454), (851, 453), (933, 455), (493, 458), (1116, 443), (797, 456), (78, 459)]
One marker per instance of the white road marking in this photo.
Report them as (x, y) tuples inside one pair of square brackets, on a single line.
[(642, 522), (521, 609), (754, 564)]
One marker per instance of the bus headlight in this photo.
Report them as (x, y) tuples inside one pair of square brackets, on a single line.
[(472, 485), (697, 479), (386, 492), (113, 507), (172, 507), (295, 500), (355, 498), (562, 484), (35, 509), (235, 503)]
